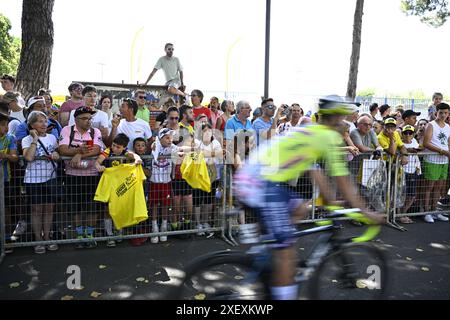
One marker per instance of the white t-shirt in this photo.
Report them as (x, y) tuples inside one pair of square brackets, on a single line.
[(99, 119), (413, 165), (39, 171), (18, 115), (213, 146), (135, 129), (439, 139), (162, 165), (12, 126)]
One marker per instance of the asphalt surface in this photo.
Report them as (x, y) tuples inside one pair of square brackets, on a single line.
[(419, 266)]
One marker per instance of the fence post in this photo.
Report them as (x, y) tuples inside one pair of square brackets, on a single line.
[(2, 215)]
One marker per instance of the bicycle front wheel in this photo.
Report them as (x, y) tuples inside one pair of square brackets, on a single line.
[(357, 271), (222, 276)]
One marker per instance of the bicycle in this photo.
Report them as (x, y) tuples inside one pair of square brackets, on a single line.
[(335, 268)]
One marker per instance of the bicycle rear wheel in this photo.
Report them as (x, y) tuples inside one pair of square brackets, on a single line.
[(357, 271), (222, 276)]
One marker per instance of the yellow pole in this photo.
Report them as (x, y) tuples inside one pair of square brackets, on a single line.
[(133, 45), (227, 63)]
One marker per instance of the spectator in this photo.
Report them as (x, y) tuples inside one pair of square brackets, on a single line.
[(390, 140), (40, 177), (8, 155), (105, 106), (421, 131), (350, 120), (173, 71), (257, 113), (215, 110), (75, 101), (363, 137), (8, 83), (378, 126), (169, 103), (173, 116), (118, 149), (236, 124), (436, 140), (160, 182), (437, 99), (143, 112), (100, 120), (296, 112), (81, 142), (410, 117), (187, 117), (413, 170), (131, 126), (385, 111), (16, 110), (13, 123), (227, 107), (265, 126), (37, 104), (52, 110), (203, 201), (374, 110), (198, 109)]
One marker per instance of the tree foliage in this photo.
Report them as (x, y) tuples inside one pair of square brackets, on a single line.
[(9, 48), (431, 12)]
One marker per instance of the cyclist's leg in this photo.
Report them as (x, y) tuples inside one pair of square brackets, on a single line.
[(275, 216)]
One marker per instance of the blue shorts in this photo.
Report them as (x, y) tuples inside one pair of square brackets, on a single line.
[(274, 212)]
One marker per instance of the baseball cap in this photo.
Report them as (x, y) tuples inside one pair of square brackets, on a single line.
[(163, 132), (390, 121), (408, 128), (409, 113), (34, 100), (11, 96), (82, 110)]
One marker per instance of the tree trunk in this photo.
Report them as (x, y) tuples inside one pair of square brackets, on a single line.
[(37, 47), (356, 48)]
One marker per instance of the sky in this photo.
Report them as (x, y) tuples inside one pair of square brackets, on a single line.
[(221, 46)]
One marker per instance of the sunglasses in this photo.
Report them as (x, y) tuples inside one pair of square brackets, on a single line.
[(141, 97), (173, 118), (408, 132)]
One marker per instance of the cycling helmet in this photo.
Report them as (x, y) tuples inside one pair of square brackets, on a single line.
[(335, 105)]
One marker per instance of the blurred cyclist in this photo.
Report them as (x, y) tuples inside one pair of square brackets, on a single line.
[(283, 159)]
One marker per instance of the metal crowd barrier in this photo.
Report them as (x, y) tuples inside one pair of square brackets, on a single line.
[(57, 204)]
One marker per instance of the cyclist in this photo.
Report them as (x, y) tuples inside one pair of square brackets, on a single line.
[(283, 159)]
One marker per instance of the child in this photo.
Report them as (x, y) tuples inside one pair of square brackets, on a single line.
[(160, 186), (140, 148), (118, 149), (8, 154), (412, 170)]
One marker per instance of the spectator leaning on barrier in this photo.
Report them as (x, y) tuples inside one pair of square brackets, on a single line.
[(40, 177), (436, 140), (8, 155), (75, 101), (412, 170), (131, 126), (390, 140), (437, 98), (363, 137), (81, 141)]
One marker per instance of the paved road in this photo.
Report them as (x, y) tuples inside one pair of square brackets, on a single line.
[(115, 272)]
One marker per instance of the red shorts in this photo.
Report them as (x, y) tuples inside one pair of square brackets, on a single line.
[(160, 193)]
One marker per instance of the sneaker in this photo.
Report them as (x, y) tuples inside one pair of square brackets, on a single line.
[(91, 243), (200, 228), (119, 233), (429, 218), (444, 201), (79, 245), (9, 250), (209, 234), (154, 239), (39, 249), (52, 247), (111, 243), (20, 229), (163, 229), (440, 217)]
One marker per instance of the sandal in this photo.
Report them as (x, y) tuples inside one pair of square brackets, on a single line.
[(405, 220)]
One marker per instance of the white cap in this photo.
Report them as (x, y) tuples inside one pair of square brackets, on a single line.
[(33, 100)]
